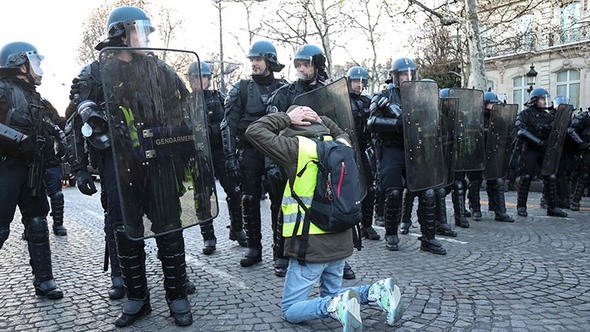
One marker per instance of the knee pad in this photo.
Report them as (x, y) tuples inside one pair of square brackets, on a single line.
[(525, 178), (37, 230), (170, 244), (428, 194), (459, 185), (393, 193), (58, 197), (552, 178), (248, 200)]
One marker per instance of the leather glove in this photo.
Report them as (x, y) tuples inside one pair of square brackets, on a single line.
[(27, 146), (85, 183), (77, 86), (232, 168)]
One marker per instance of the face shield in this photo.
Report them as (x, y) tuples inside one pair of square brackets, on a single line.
[(137, 33), (401, 76), (35, 62)]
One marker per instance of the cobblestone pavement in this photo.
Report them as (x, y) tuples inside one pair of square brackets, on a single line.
[(531, 275)]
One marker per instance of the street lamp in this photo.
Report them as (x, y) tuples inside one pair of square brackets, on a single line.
[(531, 77)]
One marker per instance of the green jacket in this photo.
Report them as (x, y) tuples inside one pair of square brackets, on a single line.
[(276, 138)]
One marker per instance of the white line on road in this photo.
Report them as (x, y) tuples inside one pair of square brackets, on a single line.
[(216, 272), (441, 238)]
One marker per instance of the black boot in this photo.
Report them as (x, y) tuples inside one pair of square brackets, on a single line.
[(393, 210), (552, 198), (348, 272), (367, 230), (474, 199), (523, 194), (578, 187), (57, 213), (133, 309), (209, 239), (117, 290), (236, 231), (40, 253), (458, 196), (427, 220), (180, 310), (252, 221), (407, 207), (280, 267), (496, 193), (442, 226), (132, 260)]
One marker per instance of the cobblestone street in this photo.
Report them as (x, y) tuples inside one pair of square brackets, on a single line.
[(531, 275)]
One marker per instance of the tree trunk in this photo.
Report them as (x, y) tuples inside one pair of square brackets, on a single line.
[(477, 74)]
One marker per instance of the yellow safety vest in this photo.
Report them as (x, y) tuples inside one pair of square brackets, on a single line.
[(303, 186)]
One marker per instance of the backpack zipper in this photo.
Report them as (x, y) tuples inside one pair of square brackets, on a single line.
[(342, 173)]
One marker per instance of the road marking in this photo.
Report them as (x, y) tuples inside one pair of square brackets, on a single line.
[(216, 272), (441, 238)]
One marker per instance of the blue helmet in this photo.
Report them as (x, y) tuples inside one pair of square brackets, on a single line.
[(123, 20), (357, 73), (403, 65), (537, 94), (193, 69), (15, 54), (315, 56), (443, 93), (267, 50), (490, 97)]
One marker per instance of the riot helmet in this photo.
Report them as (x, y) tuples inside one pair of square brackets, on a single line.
[(538, 97), (315, 56), (15, 54), (357, 74), (266, 50), (128, 22), (559, 100), (403, 67), (443, 93), (193, 74)]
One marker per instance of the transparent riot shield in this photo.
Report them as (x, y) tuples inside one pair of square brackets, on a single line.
[(425, 166), (160, 141), (333, 101), (469, 139), (448, 116), (498, 140), (556, 139)]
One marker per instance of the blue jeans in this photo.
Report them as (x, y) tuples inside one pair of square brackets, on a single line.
[(298, 284), (52, 180)]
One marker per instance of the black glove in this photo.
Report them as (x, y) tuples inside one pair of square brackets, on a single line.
[(85, 183), (232, 168), (541, 143), (77, 86), (27, 146)]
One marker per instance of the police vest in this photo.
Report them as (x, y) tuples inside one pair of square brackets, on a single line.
[(304, 187)]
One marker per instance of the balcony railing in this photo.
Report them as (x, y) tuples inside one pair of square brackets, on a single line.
[(533, 42)]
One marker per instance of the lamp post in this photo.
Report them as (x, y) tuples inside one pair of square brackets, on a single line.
[(531, 78)]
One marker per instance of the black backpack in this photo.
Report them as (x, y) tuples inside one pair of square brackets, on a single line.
[(336, 203)]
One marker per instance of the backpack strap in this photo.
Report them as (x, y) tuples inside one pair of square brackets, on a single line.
[(304, 237)]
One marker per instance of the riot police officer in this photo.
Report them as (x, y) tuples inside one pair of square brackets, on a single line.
[(534, 125), (494, 187), (214, 100), (247, 102), (126, 26), (310, 63), (25, 131), (579, 131), (386, 121), (357, 80)]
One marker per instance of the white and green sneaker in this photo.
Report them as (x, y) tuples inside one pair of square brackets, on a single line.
[(386, 294), (346, 308)]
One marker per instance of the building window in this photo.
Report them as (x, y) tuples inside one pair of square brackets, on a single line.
[(570, 15), (519, 93), (524, 31), (568, 85)]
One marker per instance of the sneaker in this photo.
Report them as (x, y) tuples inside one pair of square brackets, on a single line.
[(386, 294), (346, 308)]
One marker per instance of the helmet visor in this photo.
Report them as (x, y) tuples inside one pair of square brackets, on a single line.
[(405, 75), (35, 62), (138, 33)]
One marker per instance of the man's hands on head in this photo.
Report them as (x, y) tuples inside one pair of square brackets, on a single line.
[(302, 115)]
